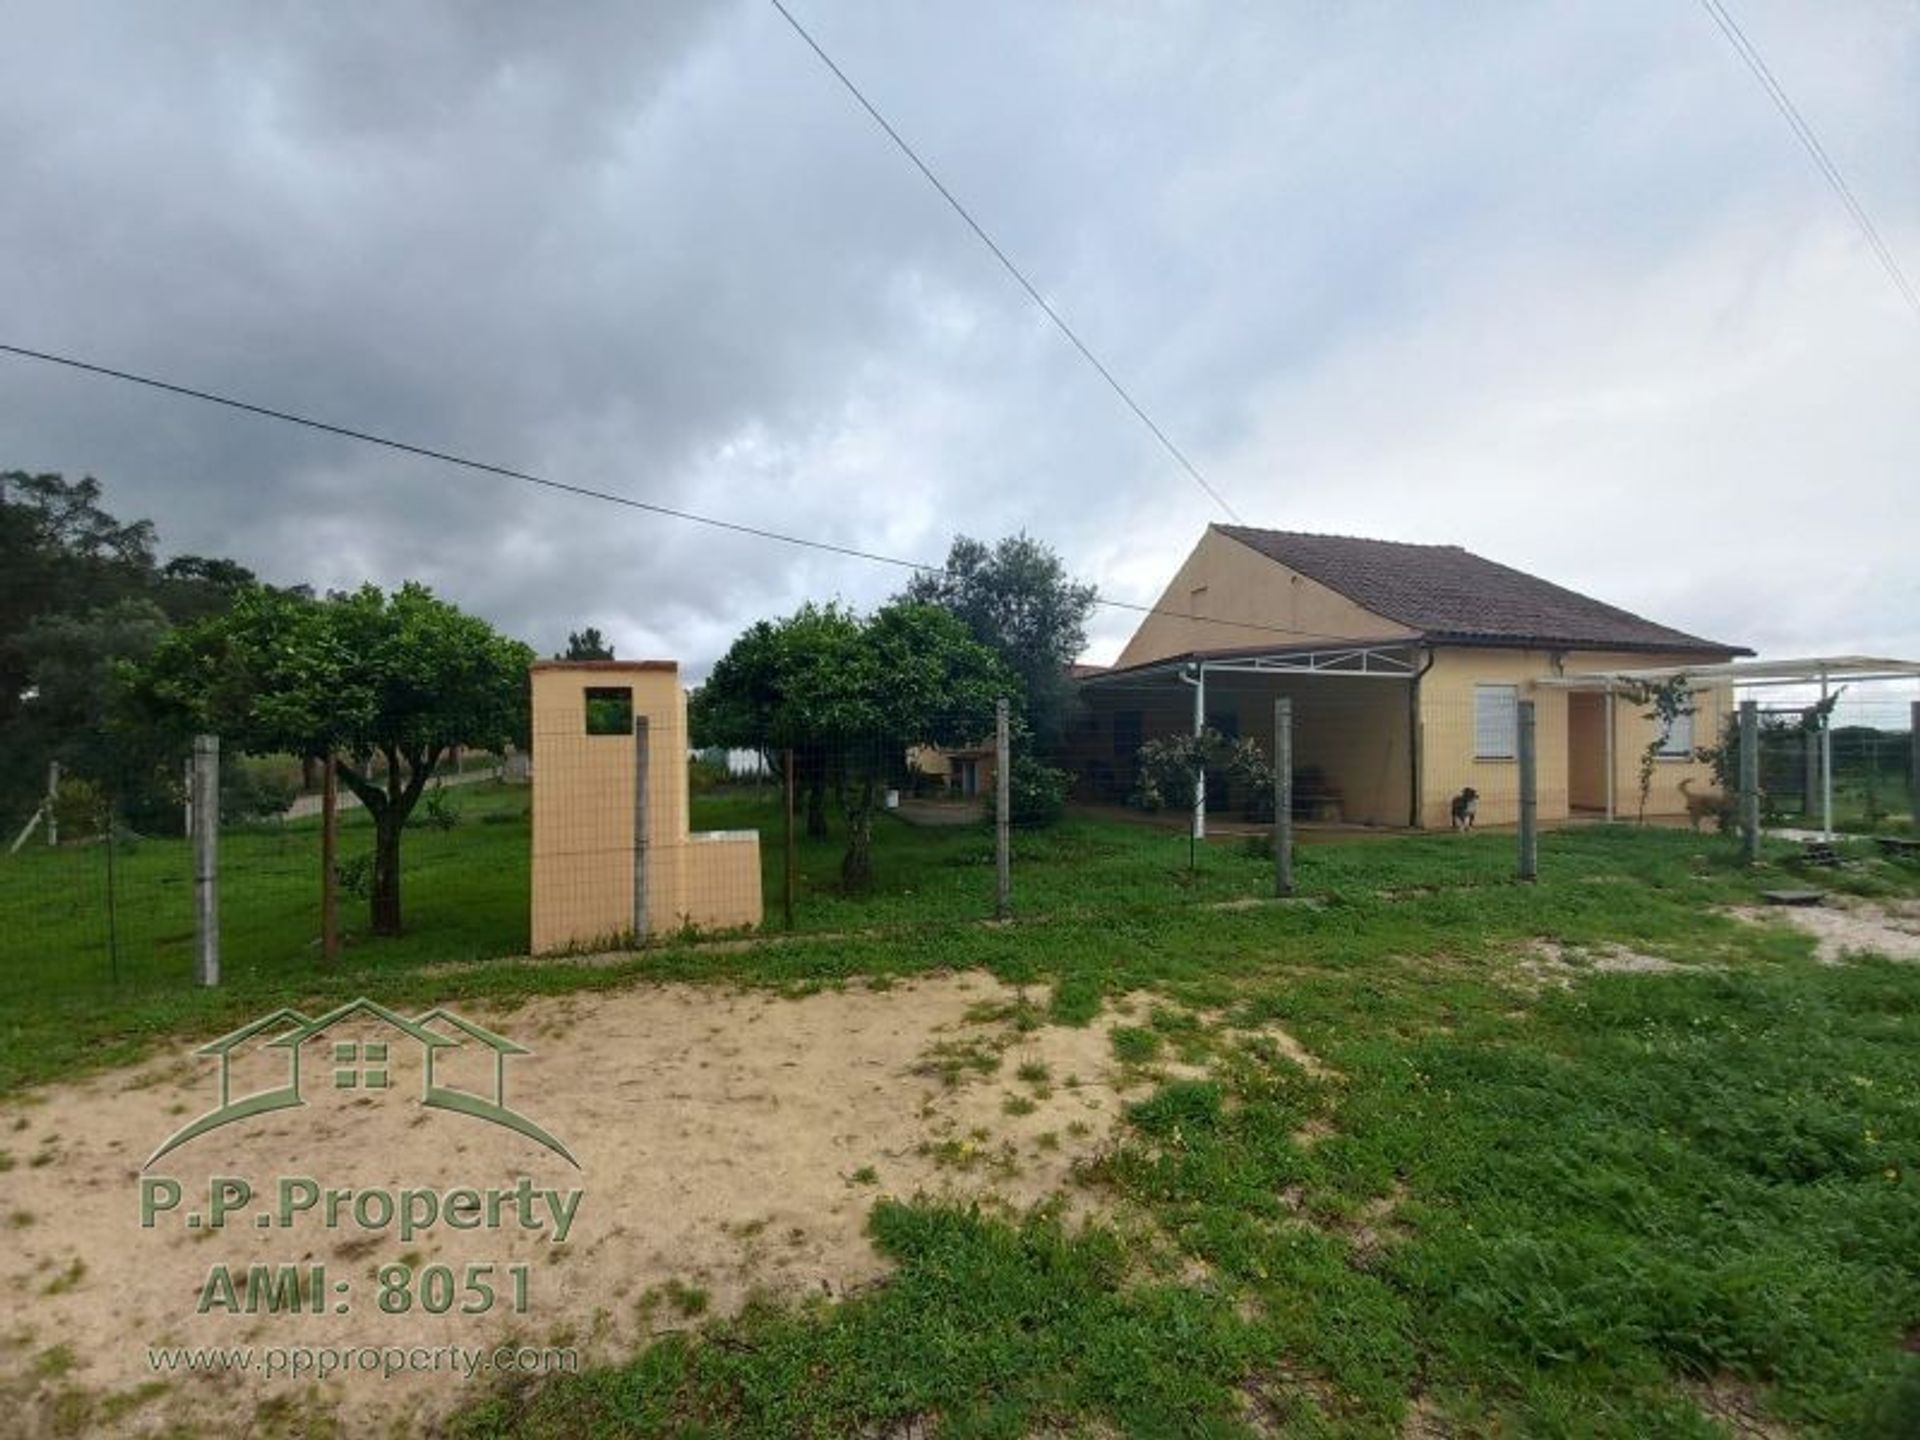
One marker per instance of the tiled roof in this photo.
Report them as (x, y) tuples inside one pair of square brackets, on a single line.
[(1448, 593)]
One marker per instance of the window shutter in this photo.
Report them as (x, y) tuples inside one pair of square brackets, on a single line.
[(1496, 721)]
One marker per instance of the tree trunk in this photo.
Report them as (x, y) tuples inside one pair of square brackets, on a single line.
[(386, 873), (389, 804), (856, 866)]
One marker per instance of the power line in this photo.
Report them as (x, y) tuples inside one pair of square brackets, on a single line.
[(1803, 132), (1006, 262), (507, 472)]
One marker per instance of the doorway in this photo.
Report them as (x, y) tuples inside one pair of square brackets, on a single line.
[(1587, 751)]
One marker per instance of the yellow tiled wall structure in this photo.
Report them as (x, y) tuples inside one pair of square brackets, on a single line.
[(586, 805)]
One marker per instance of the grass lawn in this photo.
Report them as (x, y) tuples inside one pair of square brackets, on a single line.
[(1511, 1207)]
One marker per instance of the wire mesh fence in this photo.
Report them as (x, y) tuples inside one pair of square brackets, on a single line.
[(97, 891), (613, 829), (99, 896), (1850, 770)]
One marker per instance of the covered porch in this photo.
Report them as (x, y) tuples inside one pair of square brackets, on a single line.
[(1355, 723)]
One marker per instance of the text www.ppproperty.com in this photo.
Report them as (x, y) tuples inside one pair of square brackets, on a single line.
[(318, 1362)]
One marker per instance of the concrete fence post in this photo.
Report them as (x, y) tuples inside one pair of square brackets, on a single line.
[(1810, 764), (641, 745), (788, 866), (53, 802), (1750, 780), (1527, 751), (206, 859), (1282, 798), (1913, 766), (1003, 817)]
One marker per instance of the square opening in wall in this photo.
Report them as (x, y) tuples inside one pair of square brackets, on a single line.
[(610, 711)]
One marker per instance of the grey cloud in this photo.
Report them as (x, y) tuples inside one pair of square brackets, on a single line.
[(1554, 284)]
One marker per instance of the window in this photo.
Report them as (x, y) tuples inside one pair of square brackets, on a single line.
[(1496, 721), (610, 711), (348, 1055), (1677, 742)]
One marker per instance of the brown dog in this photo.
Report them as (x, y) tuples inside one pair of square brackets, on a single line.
[(1465, 808), (1711, 806)]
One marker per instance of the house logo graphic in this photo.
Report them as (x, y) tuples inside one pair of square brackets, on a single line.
[(362, 1064)]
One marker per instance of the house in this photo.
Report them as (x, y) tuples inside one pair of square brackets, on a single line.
[(963, 772), (1404, 664)]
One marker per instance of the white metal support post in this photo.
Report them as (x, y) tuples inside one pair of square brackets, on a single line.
[(1826, 762), (1200, 769), (1610, 775)]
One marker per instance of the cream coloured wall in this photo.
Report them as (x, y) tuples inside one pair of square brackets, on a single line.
[(1352, 730), (1447, 736), (584, 810), (1226, 581)]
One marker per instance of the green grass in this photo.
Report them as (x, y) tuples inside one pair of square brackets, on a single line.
[(1532, 1210), (1597, 1197)]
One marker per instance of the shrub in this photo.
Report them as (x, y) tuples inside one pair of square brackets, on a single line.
[(1036, 793), (437, 811), (354, 874), (708, 771), (256, 789), (80, 808), (1165, 769)]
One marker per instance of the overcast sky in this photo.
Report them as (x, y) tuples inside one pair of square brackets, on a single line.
[(1553, 282)]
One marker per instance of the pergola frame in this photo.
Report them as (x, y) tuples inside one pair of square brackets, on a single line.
[(1821, 670), (1389, 660)]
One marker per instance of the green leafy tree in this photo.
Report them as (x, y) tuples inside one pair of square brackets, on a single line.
[(366, 677), (586, 644), (853, 696), (1017, 598), (757, 697), (79, 590), (73, 716)]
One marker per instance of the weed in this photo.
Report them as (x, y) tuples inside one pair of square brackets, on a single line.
[(1133, 1045)]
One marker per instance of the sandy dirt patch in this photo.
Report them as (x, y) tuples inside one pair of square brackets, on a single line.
[(1548, 962), (1846, 926), (729, 1142)]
